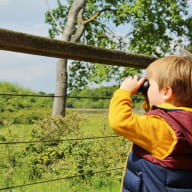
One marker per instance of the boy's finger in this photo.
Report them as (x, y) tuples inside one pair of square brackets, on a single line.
[(141, 81), (135, 77)]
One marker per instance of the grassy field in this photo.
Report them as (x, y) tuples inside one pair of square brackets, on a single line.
[(19, 161)]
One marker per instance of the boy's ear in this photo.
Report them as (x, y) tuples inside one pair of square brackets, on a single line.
[(168, 94)]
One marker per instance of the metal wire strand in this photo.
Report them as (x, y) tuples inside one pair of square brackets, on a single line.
[(52, 96), (57, 140), (62, 178)]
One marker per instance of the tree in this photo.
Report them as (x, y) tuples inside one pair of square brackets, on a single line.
[(187, 51), (152, 27)]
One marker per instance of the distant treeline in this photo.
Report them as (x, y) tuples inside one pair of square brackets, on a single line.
[(15, 103), (91, 98), (24, 109), (86, 98), (96, 98)]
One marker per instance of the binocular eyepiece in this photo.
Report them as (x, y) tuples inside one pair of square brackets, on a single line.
[(144, 87)]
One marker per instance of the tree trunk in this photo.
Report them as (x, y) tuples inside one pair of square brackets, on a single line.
[(61, 88), (75, 12)]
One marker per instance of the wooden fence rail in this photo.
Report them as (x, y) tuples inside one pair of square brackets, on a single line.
[(31, 44)]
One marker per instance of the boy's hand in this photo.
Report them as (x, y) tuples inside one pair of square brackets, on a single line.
[(132, 84)]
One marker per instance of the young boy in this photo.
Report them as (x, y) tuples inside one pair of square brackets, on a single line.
[(161, 157)]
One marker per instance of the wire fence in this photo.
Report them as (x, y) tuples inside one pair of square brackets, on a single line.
[(9, 145), (14, 143)]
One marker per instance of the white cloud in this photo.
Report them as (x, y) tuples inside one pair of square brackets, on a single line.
[(4, 2), (30, 71), (35, 72)]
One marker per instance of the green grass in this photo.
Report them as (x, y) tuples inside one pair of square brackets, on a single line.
[(66, 186), (94, 125), (16, 132)]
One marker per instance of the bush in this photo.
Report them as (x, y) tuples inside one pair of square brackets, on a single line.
[(52, 129), (72, 157), (23, 116)]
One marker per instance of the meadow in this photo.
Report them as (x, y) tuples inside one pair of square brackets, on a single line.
[(25, 163), (78, 152)]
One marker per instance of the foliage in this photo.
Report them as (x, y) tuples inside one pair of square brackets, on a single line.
[(158, 25), (22, 116), (101, 92), (152, 28), (24, 110), (27, 163), (71, 157), (96, 94), (46, 155), (187, 51), (56, 127), (21, 109), (14, 103)]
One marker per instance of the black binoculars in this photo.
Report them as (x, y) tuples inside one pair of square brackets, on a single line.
[(144, 87)]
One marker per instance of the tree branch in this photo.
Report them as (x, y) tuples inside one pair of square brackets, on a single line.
[(51, 14), (81, 27), (81, 23), (71, 20), (97, 15)]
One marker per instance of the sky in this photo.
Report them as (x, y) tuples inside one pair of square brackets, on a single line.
[(28, 71)]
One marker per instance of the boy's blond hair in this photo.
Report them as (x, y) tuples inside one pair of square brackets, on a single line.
[(175, 72)]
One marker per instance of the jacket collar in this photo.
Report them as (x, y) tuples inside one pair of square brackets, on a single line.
[(171, 107)]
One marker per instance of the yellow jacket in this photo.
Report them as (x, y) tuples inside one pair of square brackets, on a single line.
[(150, 132)]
